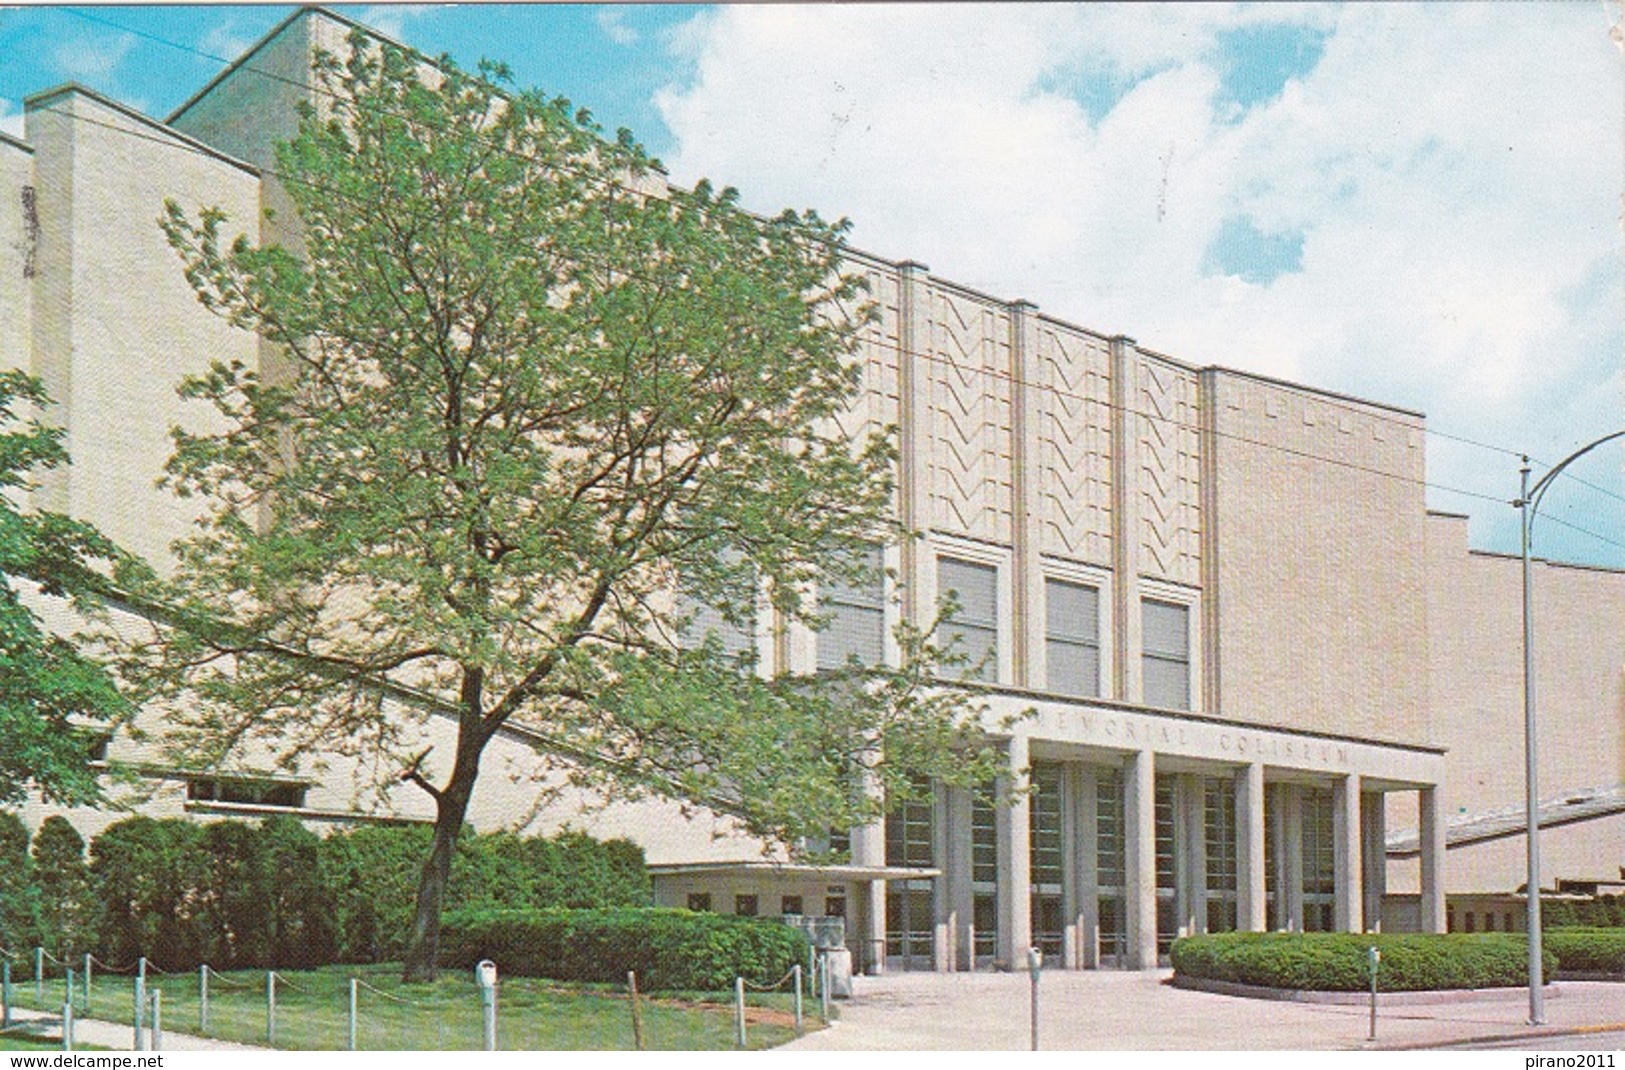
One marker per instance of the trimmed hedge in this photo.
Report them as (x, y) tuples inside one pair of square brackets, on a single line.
[(1336, 962), (1601, 912), (1587, 950), (669, 949)]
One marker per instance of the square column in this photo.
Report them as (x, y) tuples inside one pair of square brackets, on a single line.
[(1086, 872), (1430, 825), (1347, 898), (1190, 866), (942, 913), (957, 877), (1374, 855), (869, 849), (1251, 904), (1289, 849), (1015, 861), (1069, 867), (1140, 858)]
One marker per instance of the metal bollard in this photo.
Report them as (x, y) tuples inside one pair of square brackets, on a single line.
[(203, 999), (637, 1017), (1035, 962), (486, 974), (87, 984), (355, 999), (797, 971), (739, 1011), (39, 977), (1373, 956), (140, 1008), (5, 994), (67, 986), (157, 1019), (270, 1008), (67, 1026)]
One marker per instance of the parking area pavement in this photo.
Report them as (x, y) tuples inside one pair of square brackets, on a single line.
[(1110, 1010)]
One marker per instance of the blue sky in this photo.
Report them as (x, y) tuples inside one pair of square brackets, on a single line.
[(1412, 203)]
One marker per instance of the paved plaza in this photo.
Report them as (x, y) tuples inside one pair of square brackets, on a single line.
[(1128, 1010)]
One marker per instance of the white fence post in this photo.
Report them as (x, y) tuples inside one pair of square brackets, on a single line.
[(355, 998), (67, 1026), (270, 1008), (797, 971), (203, 998), (157, 1019), (140, 1006), (739, 1011)]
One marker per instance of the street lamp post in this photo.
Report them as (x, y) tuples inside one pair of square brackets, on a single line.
[(1528, 504)]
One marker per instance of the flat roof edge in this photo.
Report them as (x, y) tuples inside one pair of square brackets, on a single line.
[(1220, 369), (38, 100)]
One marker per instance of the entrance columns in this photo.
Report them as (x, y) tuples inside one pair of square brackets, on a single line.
[(1086, 873), (1347, 898), (1015, 862), (1250, 861), (1430, 826), (1140, 858), (1374, 855), (1289, 845), (957, 876), (1191, 844), (869, 849)]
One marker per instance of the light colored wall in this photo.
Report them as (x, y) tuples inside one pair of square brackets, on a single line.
[(116, 324), (18, 250), (1318, 588), (1475, 628)]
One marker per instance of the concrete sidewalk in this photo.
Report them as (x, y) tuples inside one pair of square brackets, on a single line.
[(116, 1036), (1109, 1010)]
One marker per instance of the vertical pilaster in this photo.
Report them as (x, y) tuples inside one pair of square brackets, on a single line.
[(1210, 684), (1140, 858), (1250, 861), (957, 874), (1430, 825), (1070, 958), (1015, 861), (1126, 684), (942, 851), (914, 438), (1289, 882), (1373, 856), (1086, 871), (1347, 897), (1028, 581)]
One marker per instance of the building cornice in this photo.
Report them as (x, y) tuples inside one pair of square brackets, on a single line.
[(41, 99)]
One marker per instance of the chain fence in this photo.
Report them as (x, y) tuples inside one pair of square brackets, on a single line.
[(370, 1007)]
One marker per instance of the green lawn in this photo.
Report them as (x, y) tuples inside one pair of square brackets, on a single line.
[(19, 1041), (312, 1011)]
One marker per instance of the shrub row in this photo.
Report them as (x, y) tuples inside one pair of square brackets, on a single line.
[(1596, 950), (274, 894), (1337, 962), (1601, 912), (669, 949)]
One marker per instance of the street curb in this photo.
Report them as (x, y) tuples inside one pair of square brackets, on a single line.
[(1431, 997), (1533, 1032)]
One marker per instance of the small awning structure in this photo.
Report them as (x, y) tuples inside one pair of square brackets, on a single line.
[(795, 870), (1583, 804)]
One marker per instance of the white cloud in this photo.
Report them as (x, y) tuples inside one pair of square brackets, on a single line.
[(225, 40), (612, 20), (1454, 170), (86, 59)]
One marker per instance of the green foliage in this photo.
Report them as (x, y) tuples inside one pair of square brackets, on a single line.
[(1599, 950), (66, 906), (1598, 912), (669, 949), (148, 873), (17, 894), (370, 874), (1337, 962), (52, 697)]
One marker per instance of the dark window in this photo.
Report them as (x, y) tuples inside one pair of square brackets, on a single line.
[(246, 792), (699, 902), (790, 904), (1470, 926), (745, 906), (834, 906)]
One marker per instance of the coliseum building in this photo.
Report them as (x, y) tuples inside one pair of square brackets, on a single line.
[(1271, 689)]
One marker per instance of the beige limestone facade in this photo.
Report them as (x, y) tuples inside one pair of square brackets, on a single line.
[(1248, 655)]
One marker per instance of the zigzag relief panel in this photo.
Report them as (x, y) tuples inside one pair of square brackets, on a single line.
[(1170, 473), (1074, 445), (876, 406), (969, 360)]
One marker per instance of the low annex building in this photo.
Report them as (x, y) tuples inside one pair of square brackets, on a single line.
[(1265, 681)]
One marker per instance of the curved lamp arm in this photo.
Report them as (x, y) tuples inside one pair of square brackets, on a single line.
[(1537, 492)]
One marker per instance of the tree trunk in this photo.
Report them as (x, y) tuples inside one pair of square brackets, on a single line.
[(451, 804)]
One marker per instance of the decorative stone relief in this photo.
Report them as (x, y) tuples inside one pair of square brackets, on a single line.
[(1170, 472), (969, 353), (876, 406), (1074, 445)]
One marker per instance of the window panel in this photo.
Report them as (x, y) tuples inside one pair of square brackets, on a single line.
[(1072, 637), (857, 618), (1165, 661), (705, 619), (973, 630)]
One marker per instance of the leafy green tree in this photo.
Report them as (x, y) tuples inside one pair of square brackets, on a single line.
[(54, 700), (150, 876), (17, 898), (525, 393), (66, 916)]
